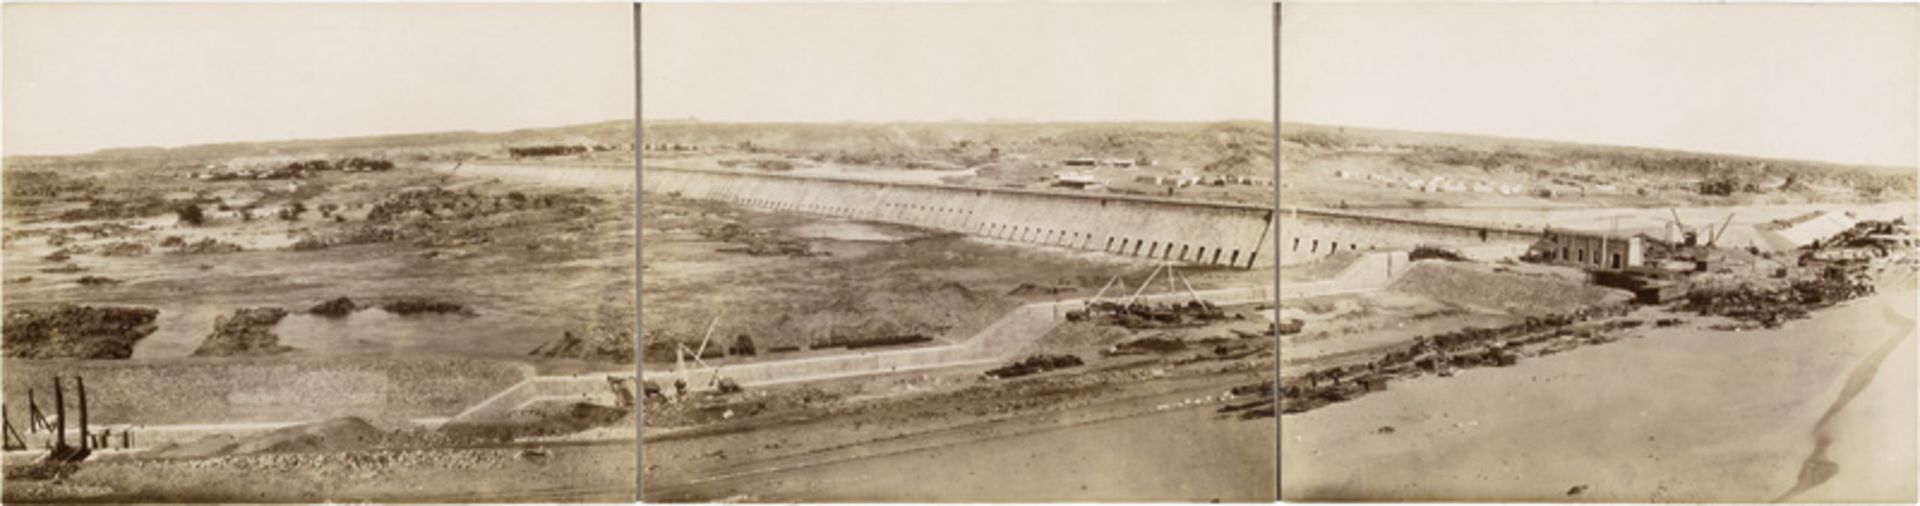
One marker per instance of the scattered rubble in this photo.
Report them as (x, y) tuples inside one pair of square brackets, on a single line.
[(70, 331), (1057, 288), (1138, 316), (97, 281), (103, 208), (1466, 348), (46, 470), (1773, 307), (601, 345), (1436, 252), (203, 246), (441, 203), (248, 332), (63, 254), (438, 217), (758, 242), (1034, 365), (1146, 345), (297, 170), (124, 249)]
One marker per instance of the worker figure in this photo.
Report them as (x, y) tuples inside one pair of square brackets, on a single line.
[(680, 388)]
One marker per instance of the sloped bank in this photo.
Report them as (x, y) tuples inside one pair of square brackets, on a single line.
[(267, 389), (1486, 287)]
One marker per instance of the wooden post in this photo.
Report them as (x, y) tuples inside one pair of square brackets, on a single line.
[(86, 436), (33, 414), (12, 437), (60, 415)]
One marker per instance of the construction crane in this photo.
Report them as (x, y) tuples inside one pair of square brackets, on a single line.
[(1715, 236), (681, 353), (1687, 236), (1692, 238), (1692, 249)]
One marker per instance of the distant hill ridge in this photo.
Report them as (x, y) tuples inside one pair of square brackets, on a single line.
[(1303, 142), (1236, 147), (605, 132)]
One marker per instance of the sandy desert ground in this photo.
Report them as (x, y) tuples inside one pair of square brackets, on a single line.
[(1820, 409)]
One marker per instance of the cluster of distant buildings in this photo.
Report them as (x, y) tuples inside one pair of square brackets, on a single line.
[(288, 169), (1616, 250), (1107, 162), (1183, 179), (1443, 184), (548, 150), (671, 147)]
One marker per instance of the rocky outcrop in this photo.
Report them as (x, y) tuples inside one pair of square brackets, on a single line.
[(70, 331), (600, 345), (248, 332), (335, 308)]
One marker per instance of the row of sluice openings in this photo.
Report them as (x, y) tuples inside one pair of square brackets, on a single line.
[(843, 210), (1332, 247), (1124, 246)]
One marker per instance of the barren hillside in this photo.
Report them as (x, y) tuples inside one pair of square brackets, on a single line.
[(1358, 167), (1238, 148)]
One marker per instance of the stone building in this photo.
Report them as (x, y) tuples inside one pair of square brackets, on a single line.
[(1593, 249)]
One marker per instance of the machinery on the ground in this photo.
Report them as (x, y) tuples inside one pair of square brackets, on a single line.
[(722, 384), (1134, 314)]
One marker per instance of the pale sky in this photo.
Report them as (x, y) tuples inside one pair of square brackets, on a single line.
[(1818, 82), (1175, 61), (83, 77)]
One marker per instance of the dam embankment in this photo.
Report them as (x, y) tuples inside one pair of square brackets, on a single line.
[(607, 175), (1199, 233), (1307, 234)]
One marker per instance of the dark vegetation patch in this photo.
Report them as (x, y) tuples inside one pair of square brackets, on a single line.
[(417, 306), (71, 331)]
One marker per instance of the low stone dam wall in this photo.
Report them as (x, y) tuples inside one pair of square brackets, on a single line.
[(1200, 233)]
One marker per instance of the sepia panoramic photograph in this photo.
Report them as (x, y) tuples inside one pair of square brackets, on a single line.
[(1598, 253), (957, 252), (319, 253)]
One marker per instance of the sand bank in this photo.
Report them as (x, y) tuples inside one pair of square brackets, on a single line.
[(1679, 414)]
